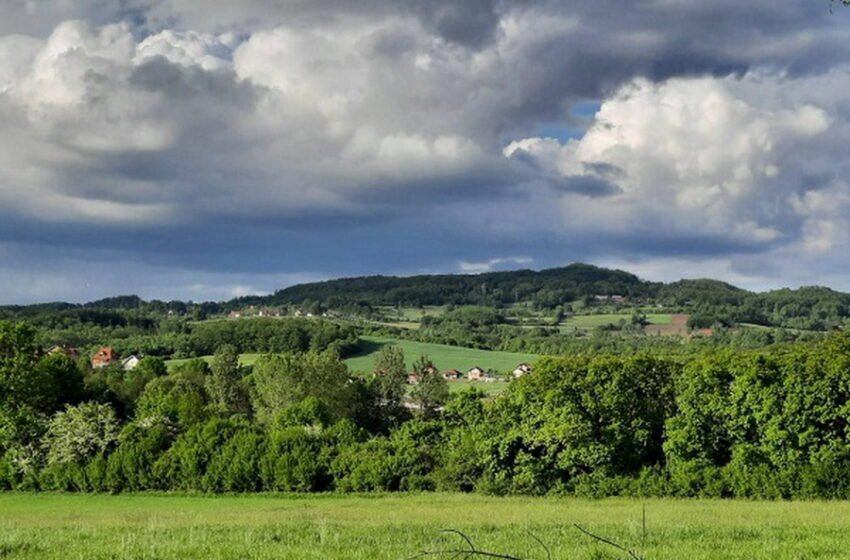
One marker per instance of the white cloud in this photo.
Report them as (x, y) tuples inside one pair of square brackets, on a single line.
[(714, 157), (477, 267)]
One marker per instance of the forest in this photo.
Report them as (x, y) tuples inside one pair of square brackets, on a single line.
[(769, 423)]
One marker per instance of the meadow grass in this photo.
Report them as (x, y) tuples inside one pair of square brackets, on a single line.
[(443, 356), (592, 321), (168, 527), (244, 359)]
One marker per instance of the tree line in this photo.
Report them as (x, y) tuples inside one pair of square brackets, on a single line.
[(768, 423)]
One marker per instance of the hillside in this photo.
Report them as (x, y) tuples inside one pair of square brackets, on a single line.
[(523, 297), (548, 287)]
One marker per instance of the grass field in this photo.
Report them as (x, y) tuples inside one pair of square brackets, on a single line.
[(593, 321), (244, 359), (62, 527), (444, 356)]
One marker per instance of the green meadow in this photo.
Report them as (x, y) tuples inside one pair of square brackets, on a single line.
[(592, 321), (337, 527), (443, 356)]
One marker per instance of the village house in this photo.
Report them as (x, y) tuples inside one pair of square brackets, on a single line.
[(476, 374), (523, 369), (72, 353), (129, 363), (104, 357), (413, 378), (452, 375), (235, 314)]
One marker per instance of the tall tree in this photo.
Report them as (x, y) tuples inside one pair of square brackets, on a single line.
[(432, 391), (283, 380), (224, 384), (390, 384)]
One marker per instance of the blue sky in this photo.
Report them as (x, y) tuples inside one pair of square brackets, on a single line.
[(178, 149)]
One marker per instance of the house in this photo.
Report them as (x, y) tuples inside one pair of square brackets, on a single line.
[(476, 374), (452, 375), (103, 357), (522, 369), (72, 353), (129, 363), (413, 378), (235, 314)]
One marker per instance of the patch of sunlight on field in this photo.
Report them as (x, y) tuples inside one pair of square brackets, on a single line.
[(336, 527), (444, 356)]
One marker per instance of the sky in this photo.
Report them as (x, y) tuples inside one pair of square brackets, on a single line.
[(207, 150)]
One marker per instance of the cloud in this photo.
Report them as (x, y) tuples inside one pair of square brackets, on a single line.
[(719, 158), (273, 138), (467, 267)]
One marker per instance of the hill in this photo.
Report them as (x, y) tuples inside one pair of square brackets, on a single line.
[(546, 287), (523, 297)]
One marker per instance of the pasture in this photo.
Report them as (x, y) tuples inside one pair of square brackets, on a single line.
[(395, 527), (443, 356), (588, 322)]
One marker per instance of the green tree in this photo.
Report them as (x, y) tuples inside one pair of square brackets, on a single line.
[(21, 383), (224, 384), (282, 380), (432, 391), (80, 432), (390, 384), (176, 399)]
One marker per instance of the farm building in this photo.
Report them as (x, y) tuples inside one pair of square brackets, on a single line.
[(413, 378), (129, 363), (452, 375), (476, 374), (103, 357), (522, 369)]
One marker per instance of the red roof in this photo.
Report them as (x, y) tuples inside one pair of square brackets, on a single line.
[(104, 356)]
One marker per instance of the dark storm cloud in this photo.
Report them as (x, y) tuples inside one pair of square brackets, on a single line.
[(264, 137)]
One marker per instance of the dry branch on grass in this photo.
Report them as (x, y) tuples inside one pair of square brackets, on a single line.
[(471, 551)]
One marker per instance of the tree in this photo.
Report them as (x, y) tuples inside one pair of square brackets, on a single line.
[(174, 398), (390, 384), (80, 432), (21, 384), (281, 380), (65, 379), (26, 392), (432, 391), (224, 384)]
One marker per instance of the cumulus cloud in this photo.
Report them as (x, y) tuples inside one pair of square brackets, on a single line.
[(708, 157), (268, 137)]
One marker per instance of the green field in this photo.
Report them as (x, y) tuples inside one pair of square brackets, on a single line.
[(244, 359), (443, 356), (162, 527), (593, 321)]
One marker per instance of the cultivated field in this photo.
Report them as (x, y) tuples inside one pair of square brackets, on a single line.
[(62, 527), (589, 322), (443, 356)]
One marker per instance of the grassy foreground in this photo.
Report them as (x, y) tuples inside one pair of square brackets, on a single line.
[(398, 526)]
